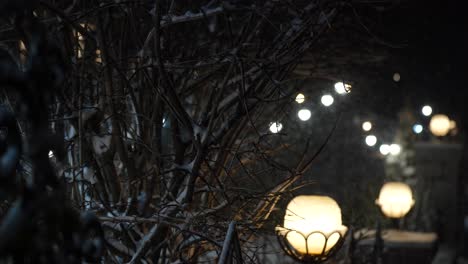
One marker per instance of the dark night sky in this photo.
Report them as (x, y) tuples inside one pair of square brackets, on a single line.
[(433, 63), (431, 39)]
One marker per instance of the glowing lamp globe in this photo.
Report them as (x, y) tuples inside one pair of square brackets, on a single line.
[(312, 227), (439, 125), (395, 199)]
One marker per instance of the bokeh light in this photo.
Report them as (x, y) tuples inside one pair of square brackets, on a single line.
[(384, 149), (300, 98), (426, 110), (371, 140), (418, 128), (327, 100), (276, 127), (304, 114), (367, 126)]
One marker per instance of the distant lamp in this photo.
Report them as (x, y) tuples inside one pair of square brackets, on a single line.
[(300, 98), (371, 140), (417, 128), (304, 114), (395, 199), (453, 124), (384, 149), (426, 110), (395, 149), (327, 100), (367, 126), (439, 125), (276, 127), (342, 88), (312, 230)]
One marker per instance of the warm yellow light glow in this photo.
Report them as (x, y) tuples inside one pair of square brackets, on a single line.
[(308, 214), (367, 126), (439, 125), (395, 199), (300, 98), (453, 124)]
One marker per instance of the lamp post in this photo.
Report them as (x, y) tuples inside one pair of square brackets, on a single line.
[(313, 231)]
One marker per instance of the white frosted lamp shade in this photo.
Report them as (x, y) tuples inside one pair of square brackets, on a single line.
[(395, 199), (315, 222), (439, 125)]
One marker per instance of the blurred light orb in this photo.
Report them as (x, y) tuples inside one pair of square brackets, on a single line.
[(426, 110), (367, 126), (342, 88), (304, 114), (327, 100), (395, 149), (396, 77), (439, 125), (276, 127), (306, 216), (300, 98), (384, 149), (417, 128), (51, 154), (453, 124), (371, 140), (395, 199)]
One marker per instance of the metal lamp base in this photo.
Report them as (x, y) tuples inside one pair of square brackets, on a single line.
[(309, 258)]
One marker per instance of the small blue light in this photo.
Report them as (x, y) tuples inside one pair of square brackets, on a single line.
[(417, 128)]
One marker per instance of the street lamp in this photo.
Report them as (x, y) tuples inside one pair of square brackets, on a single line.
[(312, 230), (439, 125), (395, 199)]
